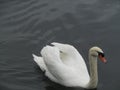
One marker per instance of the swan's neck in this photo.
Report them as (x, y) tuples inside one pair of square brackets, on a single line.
[(93, 71)]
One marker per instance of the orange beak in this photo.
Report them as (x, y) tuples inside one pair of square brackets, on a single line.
[(102, 59)]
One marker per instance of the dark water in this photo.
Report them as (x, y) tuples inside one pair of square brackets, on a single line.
[(27, 25)]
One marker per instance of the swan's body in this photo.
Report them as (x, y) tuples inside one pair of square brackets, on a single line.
[(63, 64)]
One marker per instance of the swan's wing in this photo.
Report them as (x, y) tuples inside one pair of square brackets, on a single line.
[(74, 60), (65, 75), (72, 54), (66, 48), (51, 54), (40, 62)]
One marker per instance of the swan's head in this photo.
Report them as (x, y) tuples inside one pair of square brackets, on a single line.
[(97, 52)]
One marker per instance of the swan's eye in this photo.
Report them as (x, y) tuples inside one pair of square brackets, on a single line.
[(101, 54)]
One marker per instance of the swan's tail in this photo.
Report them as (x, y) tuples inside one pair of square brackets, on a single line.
[(40, 62)]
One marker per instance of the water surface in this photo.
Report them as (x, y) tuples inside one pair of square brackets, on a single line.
[(27, 25)]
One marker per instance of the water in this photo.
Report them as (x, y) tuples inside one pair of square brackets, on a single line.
[(27, 25)]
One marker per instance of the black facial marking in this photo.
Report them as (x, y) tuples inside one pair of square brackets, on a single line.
[(102, 54)]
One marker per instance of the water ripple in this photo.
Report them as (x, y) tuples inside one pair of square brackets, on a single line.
[(28, 25)]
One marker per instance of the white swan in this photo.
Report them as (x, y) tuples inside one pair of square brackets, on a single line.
[(63, 64)]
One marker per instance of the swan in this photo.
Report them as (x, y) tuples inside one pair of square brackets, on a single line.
[(63, 64)]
